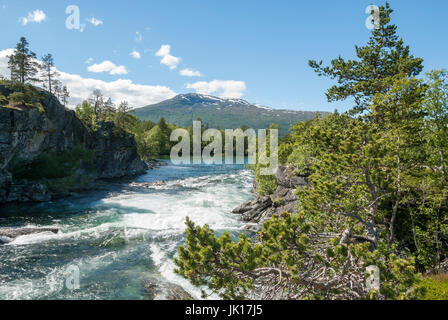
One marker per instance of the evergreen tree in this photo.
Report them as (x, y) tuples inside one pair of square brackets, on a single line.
[(22, 63), (65, 95), (97, 101), (384, 59), (377, 191), (48, 72)]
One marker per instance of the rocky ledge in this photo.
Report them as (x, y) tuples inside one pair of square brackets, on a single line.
[(28, 132), (256, 212)]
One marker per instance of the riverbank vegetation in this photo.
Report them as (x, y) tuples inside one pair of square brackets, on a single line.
[(377, 197)]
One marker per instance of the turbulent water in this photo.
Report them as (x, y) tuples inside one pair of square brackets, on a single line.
[(118, 237)]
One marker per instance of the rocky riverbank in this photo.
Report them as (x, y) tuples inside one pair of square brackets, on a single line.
[(26, 133), (255, 212)]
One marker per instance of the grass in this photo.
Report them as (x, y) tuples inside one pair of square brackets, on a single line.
[(435, 287)]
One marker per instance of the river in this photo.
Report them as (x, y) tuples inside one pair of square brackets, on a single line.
[(118, 237)]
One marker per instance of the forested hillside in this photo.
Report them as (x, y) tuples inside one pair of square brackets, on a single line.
[(222, 113)]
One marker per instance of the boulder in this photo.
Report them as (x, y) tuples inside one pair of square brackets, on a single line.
[(9, 234), (284, 199), (158, 289)]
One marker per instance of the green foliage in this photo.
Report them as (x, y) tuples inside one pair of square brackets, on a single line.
[(157, 141), (377, 195), (379, 63), (283, 264), (53, 165), (3, 100), (266, 184), (22, 63), (25, 95), (86, 113)]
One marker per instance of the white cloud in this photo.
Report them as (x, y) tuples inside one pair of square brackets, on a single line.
[(221, 88), (135, 54), (36, 16), (89, 61), (4, 71), (107, 66), (94, 21), (190, 73), (167, 59), (80, 88), (122, 89), (138, 37)]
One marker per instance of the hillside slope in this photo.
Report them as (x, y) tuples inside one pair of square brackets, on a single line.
[(183, 109)]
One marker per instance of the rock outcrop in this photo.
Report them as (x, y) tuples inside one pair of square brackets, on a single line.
[(261, 209), (27, 132), (158, 289), (9, 234), (115, 153)]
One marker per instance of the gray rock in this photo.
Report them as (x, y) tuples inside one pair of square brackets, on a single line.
[(244, 207), (154, 164), (158, 289), (12, 233), (116, 153), (284, 199), (4, 240), (26, 133), (286, 177)]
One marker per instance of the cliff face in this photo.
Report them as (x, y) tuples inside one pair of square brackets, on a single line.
[(261, 209), (27, 132), (115, 153)]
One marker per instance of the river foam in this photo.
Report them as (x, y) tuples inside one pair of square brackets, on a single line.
[(119, 237)]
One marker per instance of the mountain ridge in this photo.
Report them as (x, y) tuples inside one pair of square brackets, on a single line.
[(224, 113)]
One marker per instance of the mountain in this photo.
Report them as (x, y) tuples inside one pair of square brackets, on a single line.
[(183, 109)]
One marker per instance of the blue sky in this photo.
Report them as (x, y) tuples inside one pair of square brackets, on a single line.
[(255, 49)]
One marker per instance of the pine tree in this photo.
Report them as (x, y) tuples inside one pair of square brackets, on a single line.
[(383, 60), (375, 196), (65, 95), (22, 63), (48, 72), (97, 101)]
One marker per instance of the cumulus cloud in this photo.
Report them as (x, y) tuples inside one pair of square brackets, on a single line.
[(89, 61), (4, 71), (80, 88), (36, 16), (190, 73), (135, 54), (137, 95), (107, 66), (94, 21), (167, 59), (221, 88)]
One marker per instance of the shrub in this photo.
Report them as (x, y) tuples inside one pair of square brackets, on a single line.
[(53, 165)]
